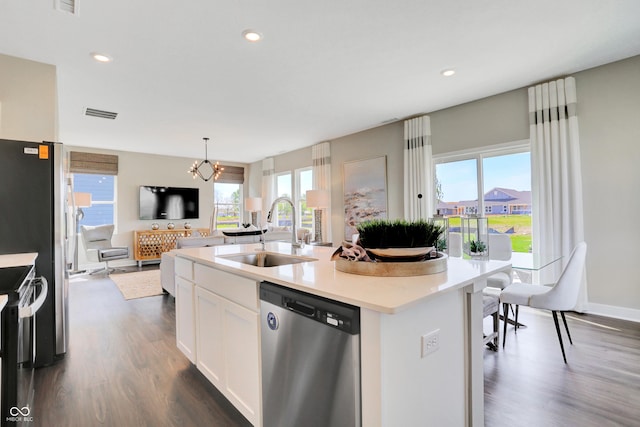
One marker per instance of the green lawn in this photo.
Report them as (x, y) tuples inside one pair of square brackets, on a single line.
[(520, 239), (520, 243)]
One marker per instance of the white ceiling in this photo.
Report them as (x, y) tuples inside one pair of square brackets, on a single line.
[(182, 71)]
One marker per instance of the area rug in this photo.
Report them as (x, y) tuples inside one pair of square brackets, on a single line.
[(139, 284)]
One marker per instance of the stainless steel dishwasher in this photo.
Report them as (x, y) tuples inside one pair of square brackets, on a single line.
[(310, 360)]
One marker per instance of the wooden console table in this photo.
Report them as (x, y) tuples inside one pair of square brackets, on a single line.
[(150, 244)]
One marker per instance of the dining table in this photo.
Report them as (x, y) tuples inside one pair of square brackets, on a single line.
[(537, 269)]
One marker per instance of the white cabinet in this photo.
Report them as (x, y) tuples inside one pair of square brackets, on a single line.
[(185, 309), (210, 335), (242, 359), (227, 337), (185, 325)]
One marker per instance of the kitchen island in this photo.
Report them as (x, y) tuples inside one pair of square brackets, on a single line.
[(402, 384)]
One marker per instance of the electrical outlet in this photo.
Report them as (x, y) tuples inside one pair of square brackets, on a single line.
[(430, 342)]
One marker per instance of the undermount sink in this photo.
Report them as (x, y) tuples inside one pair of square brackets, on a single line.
[(267, 259)]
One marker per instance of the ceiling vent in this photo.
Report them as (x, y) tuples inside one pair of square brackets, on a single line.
[(68, 6), (100, 113)]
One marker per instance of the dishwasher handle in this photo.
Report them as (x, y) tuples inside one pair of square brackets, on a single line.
[(300, 307)]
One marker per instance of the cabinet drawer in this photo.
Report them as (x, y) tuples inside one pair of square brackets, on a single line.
[(238, 289), (184, 268)]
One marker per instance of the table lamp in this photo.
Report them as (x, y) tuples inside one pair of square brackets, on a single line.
[(253, 205), (318, 199)]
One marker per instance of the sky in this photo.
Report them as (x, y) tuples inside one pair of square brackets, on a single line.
[(459, 179)]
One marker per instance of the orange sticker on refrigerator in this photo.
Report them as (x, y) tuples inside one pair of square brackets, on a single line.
[(43, 151)]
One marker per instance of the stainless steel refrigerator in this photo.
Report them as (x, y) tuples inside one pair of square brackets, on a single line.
[(33, 219)]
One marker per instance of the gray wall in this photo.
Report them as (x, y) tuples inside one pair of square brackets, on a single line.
[(494, 120), (608, 114), (27, 100), (609, 117)]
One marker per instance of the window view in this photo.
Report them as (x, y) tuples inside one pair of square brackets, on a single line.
[(458, 187), (304, 182), (507, 197), (282, 217), (102, 189), (505, 180), (228, 200)]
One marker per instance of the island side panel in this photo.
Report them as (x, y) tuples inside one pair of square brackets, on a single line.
[(370, 367), (474, 352), (400, 387)]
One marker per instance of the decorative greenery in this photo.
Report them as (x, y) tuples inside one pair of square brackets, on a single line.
[(477, 246), (442, 244), (381, 233)]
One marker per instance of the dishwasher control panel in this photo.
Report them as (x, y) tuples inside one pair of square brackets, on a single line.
[(331, 313)]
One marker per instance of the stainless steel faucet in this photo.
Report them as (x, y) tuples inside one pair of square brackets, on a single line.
[(294, 234), (262, 238)]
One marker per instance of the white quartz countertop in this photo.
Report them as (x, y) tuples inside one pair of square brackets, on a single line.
[(383, 294), (17, 260)]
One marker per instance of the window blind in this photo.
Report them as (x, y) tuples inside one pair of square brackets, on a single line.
[(80, 162), (231, 175)]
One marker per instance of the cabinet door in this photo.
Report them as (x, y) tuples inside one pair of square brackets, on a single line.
[(185, 318), (210, 336), (241, 355)]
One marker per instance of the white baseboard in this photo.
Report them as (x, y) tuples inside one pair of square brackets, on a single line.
[(623, 313)]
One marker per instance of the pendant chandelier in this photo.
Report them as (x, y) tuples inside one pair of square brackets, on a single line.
[(205, 169)]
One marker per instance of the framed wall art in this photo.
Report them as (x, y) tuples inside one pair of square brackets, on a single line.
[(365, 192)]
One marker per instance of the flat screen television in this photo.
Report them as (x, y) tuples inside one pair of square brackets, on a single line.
[(169, 203)]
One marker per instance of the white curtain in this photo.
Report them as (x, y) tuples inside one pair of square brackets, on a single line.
[(321, 161), (558, 224), (419, 179), (268, 187)]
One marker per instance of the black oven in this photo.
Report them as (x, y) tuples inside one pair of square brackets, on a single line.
[(26, 294)]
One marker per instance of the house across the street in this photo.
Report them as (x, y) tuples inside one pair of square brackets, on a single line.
[(497, 201)]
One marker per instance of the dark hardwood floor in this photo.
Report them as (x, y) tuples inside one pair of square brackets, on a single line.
[(528, 384), (123, 369)]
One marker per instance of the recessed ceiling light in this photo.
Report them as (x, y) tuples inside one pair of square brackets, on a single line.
[(448, 72), (251, 35), (101, 57)]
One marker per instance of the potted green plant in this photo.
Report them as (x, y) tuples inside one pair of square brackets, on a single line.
[(399, 240), (398, 234), (477, 248), (393, 248)]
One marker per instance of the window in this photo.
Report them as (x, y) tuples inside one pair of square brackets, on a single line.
[(283, 214), (294, 186), (503, 175), (458, 183), (228, 200), (304, 182), (103, 197)]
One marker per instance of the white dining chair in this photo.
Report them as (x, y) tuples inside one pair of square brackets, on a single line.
[(500, 249), (561, 297)]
